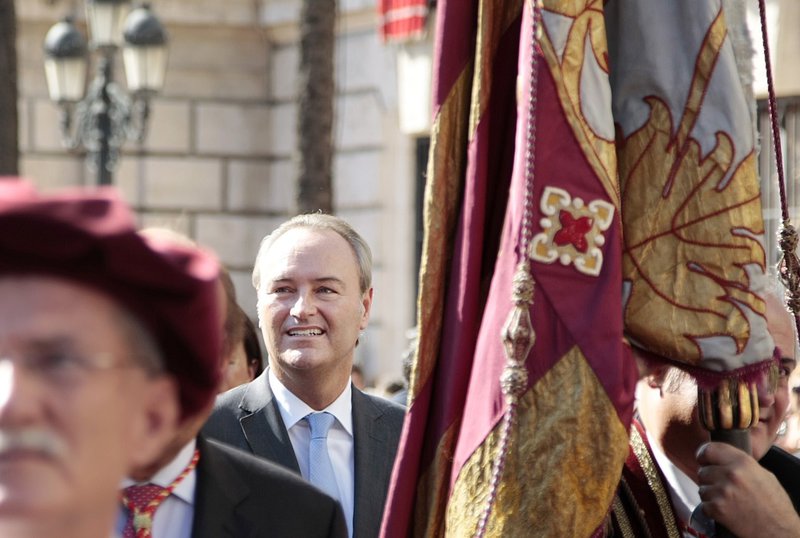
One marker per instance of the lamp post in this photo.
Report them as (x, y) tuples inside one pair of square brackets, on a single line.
[(106, 116)]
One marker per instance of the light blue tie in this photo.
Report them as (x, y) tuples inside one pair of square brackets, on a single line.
[(320, 468)]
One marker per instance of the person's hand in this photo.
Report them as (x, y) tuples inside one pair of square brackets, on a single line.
[(743, 496)]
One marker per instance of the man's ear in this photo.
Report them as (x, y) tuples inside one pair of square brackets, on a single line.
[(655, 375), (157, 421), (366, 307)]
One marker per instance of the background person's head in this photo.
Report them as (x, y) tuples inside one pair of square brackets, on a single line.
[(230, 327), (252, 349), (667, 399), (245, 361), (234, 324), (231, 315), (313, 278)]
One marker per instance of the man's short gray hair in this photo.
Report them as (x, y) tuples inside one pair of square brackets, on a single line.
[(675, 378), (321, 221)]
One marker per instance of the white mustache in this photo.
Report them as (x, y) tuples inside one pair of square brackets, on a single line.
[(44, 442)]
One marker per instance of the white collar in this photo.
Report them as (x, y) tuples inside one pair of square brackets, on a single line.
[(682, 490), (293, 409), (167, 474)]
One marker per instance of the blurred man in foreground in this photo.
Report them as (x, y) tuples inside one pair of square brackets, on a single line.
[(97, 364)]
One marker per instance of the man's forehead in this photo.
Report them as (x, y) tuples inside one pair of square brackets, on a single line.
[(293, 249), (780, 324), (45, 289), (785, 340), (47, 307), (307, 238)]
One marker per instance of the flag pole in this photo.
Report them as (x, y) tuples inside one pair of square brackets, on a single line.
[(728, 411)]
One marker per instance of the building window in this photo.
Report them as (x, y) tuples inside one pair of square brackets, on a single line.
[(789, 121)]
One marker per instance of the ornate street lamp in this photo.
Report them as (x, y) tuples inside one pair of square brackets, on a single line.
[(106, 116)]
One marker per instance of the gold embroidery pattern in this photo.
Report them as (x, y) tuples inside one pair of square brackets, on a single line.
[(622, 519), (654, 481), (586, 29), (543, 492)]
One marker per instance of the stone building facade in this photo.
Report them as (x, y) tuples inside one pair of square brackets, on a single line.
[(217, 162)]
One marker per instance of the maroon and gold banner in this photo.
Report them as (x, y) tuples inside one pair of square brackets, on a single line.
[(541, 156), (570, 438)]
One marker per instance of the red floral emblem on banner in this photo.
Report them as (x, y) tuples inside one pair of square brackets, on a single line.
[(573, 231), (576, 237)]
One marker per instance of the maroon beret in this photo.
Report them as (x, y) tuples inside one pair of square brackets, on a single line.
[(91, 237)]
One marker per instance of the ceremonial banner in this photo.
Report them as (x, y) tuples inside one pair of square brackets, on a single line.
[(694, 262), (485, 212)]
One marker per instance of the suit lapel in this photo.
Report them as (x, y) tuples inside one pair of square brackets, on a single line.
[(372, 465), (217, 494), (263, 426)]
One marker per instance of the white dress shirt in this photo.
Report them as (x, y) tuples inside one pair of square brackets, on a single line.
[(683, 491), (340, 439), (173, 517)]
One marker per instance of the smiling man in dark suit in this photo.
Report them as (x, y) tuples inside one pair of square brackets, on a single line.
[(313, 277), (216, 491)]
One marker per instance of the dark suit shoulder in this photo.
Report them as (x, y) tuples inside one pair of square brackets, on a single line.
[(393, 411), (390, 414), (386, 405), (267, 499), (223, 423), (231, 399)]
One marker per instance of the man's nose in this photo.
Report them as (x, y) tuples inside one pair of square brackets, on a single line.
[(303, 306), (18, 393), (766, 390)]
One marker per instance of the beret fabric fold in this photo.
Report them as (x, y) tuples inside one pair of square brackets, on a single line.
[(90, 236)]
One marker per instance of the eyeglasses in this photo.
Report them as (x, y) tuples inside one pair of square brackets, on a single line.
[(60, 366)]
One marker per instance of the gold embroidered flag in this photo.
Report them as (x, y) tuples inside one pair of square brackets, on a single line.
[(694, 262)]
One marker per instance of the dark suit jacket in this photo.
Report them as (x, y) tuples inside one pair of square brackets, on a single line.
[(247, 417), (240, 496), (786, 469)]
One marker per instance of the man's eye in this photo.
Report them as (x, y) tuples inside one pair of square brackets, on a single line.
[(282, 289), (325, 289), (56, 361)]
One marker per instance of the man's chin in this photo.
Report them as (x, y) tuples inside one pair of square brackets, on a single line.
[(30, 494), (300, 359)]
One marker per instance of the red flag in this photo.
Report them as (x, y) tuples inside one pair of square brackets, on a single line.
[(573, 413), (402, 19)]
